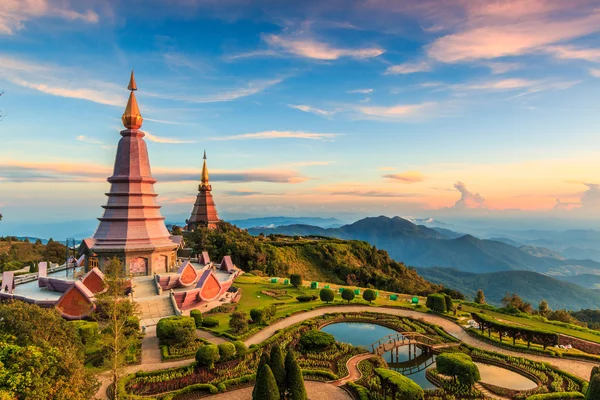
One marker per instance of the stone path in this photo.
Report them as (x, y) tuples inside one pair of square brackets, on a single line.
[(581, 369), (353, 372), (315, 391)]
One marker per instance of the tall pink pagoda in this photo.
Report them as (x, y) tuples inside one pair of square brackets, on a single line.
[(204, 213), (132, 228)]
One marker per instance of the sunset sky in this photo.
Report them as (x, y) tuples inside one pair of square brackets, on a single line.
[(451, 109)]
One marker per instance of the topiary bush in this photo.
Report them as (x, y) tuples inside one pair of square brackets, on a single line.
[(207, 355), (176, 331), (436, 302), (240, 348), (238, 322), (197, 315), (304, 298), (398, 386), (460, 366), (296, 280), (258, 315), (348, 295), (316, 340), (87, 330), (210, 322), (326, 295), (369, 295), (226, 351)]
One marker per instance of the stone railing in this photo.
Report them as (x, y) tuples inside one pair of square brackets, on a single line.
[(579, 344)]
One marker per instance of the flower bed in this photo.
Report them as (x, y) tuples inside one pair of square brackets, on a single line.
[(181, 352)]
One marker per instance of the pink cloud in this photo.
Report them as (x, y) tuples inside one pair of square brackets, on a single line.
[(406, 177)]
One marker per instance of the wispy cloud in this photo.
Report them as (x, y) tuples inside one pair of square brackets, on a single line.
[(310, 109), (530, 86), (281, 135), (251, 88), (406, 177), (363, 91), (159, 139), (371, 193), (573, 53), (86, 139), (408, 68), (16, 13), (499, 68), (396, 112), (311, 48), (308, 163), (595, 73)]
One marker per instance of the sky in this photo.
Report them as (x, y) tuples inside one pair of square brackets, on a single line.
[(450, 109)]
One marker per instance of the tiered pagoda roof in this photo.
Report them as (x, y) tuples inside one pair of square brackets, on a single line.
[(204, 213)]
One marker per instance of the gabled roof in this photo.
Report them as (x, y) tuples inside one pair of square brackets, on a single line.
[(227, 264), (204, 258), (77, 302), (94, 281), (187, 274), (209, 285)]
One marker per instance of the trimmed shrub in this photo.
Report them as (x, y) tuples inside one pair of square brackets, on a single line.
[(87, 330), (264, 359), (226, 351), (266, 386), (294, 382), (398, 385), (369, 295), (556, 396), (258, 315), (296, 280), (177, 330), (238, 322), (436, 302), (197, 315), (348, 295), (460, 366), (210, 322), (593, 391), (277, 367), (449, 302), (207, 355), (326, 295), (304, 298), (316, 340), (240, 348)]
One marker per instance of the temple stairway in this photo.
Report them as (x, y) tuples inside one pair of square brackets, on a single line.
[(154, 308), (143, 286)]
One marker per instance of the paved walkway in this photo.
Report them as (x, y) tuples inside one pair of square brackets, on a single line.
[(353, 372), (315, 391), (581, 369)]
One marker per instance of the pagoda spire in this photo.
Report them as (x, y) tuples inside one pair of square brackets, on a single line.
[(204, 176), (132, 118)]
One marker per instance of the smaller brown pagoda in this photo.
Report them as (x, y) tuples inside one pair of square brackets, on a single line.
[(204, 213)]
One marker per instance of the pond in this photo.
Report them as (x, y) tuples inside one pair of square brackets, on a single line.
[(412, 362)]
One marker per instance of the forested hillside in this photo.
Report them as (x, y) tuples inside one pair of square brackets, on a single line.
[(328, 259), (16, 254)]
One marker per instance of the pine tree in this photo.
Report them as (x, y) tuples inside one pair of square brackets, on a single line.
[(265, 387), (294, 381), (480, 297), (277, 367), (264, 359)]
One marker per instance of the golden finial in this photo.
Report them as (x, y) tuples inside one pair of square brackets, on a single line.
[(204, 179), (132, 118)]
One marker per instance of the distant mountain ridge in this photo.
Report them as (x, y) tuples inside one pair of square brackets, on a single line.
[(272, 222), (420, 246), (531, 286)]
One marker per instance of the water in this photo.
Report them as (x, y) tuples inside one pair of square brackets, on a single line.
[(412, 362), (411, 365)]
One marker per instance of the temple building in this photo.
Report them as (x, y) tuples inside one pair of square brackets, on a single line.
[(204, 213), (132, 227)]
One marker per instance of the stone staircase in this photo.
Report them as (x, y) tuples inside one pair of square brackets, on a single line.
[(144, 286), (154, 308)]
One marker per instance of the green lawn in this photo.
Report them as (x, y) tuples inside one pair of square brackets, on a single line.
[(252, 286), (537, 324)]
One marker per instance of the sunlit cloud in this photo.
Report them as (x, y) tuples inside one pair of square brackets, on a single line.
[(406, 177), (499, 68), (16, 13), (595, 73), (363, 91), (468, 199), (401, 111), (408, 68), (567, 52), (159, 139), (281, 135), (310, 48)]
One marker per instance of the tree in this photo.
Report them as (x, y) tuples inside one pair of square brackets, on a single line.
[(436, 302), (277, 367), (326, 295), (238, 321), (294, 382), (369, 295), (207, 355), (348, 295), (54, 252), (264, 359), (116, 310), (265, 387), (543, 308), (296, 280), (176, 231), (480, 297), (41, 355)]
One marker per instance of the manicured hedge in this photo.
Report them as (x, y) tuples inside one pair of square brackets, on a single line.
[(458, 365), (226, 351), (316, 340), (210, 322), (395, 382), (305, 298), (361, 391), (207, 355), (557, 396), (177, 330), (197, 315), (437, 302)]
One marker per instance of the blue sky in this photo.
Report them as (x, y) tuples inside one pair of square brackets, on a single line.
[(340, 108)]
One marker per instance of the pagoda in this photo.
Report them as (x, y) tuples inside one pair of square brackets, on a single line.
[(132, 228), (204, 213)]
